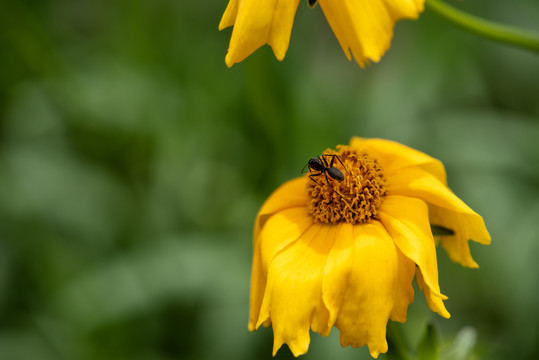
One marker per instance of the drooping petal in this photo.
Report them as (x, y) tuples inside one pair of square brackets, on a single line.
[(432, 300), (407, 221), (446, 209), (403, 293), (338, 270), (257, 23), (468, 227), (293, 296), (229, 17), (291, 194), (394, 156), (365, 28), (281, 229), (373, 284)]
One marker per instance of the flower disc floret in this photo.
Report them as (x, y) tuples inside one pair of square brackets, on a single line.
[(357, 198)]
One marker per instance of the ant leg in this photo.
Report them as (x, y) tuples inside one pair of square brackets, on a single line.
[(341, 195), (333, 156), (327, 180), (338, 158), (312, 178), (333, 159), (323, 159), (344, 166)]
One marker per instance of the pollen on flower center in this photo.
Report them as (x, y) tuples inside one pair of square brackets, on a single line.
[(357, 198)]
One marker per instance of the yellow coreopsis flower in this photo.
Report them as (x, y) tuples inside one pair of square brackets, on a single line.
[(340, 247), (364, 28)]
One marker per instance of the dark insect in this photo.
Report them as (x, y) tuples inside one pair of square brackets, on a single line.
[(311, 3), (321, 166)]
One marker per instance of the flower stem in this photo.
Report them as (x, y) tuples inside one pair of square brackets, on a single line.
[(489, 29), (398, 345)]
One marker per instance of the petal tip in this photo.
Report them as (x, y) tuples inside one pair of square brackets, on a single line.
[(228, 61), (444, 314)]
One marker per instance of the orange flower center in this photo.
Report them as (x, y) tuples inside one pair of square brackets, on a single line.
[(354, 199)]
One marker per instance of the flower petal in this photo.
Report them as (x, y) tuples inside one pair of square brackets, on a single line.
[(467, 227), (293, 296), (229, 17), (368, 299), (365, 28), (257, 23), (407, 221), (446, 209), (337, 270), (291, 194), (394, 156), (280, 230), (432, 299), (403, 293)]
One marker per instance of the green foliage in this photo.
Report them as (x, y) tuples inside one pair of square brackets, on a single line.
[(132, 164)]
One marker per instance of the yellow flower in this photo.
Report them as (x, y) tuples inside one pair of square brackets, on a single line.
[(364, 28), (344, 253)]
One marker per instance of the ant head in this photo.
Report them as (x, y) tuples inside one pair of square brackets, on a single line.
[(315, 164)]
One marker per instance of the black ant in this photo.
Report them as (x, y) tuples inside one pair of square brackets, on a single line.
[(321, 165)]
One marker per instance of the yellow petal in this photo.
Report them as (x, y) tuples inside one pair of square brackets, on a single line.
[(291, 194), (258, 286), (279, 231), (394, 156), (293, 296), (406, 220), (229, 17), (257, 23), (466, 227), (433, 301), (372, 287), (365, 28), (337, 270), (446, 209), (403, 293)]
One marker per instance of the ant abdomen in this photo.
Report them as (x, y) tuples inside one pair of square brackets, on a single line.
[(335, 173)]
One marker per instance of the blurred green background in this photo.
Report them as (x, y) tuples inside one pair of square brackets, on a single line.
[(133, 162)]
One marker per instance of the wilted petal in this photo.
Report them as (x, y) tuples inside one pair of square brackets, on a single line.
[(369, 298), (446, 209), (394, 157), (280, 230), (293, 296), (433, 300), (291, 194), (257, 23), (338, 269), (406, 220), (466, 227), (229, 17), (403, 293), (365, 28)]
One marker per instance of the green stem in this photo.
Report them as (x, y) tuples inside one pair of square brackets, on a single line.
[(398, 345), (485, 28)]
